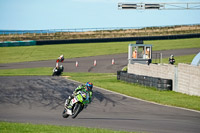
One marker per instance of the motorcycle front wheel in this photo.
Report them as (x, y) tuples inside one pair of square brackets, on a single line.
[(76, 109), (64, 114)]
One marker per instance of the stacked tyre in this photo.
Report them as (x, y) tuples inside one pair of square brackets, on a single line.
[(159, 83), (164, 84)]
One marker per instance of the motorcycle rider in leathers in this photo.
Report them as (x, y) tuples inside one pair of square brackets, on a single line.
[(171, 59), (60, 59), (87, 88)]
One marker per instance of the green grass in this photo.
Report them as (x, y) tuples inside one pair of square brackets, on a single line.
[(174, 44), (48, 52), (180, 59), (6, 127)]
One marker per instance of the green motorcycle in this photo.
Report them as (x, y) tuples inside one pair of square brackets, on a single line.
[(78, 102)]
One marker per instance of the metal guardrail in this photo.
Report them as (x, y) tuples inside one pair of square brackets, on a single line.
[(17, 43)]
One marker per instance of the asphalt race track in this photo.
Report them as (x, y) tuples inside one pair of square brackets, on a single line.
[(40, 100)]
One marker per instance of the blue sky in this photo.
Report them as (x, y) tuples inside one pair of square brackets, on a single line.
[(69, 14)]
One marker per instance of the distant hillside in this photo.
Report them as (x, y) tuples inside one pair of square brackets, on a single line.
[(20, 35)]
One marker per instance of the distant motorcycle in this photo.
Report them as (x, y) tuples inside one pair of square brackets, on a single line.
[(78, 103), (58, 71)]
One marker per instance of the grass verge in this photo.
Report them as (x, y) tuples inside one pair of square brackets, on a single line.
[(48, 52), (6, 127), (180, 59)]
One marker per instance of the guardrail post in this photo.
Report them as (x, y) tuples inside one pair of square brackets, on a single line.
[(161, 58), (175, 83)]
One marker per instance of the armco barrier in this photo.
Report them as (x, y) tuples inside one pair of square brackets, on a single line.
[(159, 83), (17, 43)]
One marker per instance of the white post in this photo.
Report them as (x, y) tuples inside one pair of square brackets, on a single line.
[(161, 58), (175, 82), (130, 51)]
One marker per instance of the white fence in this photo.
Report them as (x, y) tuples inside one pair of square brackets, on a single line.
[(186, 78)]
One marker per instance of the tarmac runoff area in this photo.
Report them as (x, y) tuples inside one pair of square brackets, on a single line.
[(40, 100)]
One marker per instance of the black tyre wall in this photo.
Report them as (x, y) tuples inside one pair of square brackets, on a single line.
[(159, 83)]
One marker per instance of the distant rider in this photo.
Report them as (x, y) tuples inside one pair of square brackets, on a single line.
[(171, 59), (87, 88), (60, 59), (57, 71)]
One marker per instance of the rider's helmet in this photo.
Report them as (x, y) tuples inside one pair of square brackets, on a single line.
[(172, 56), (61, 58), (89, 86)]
